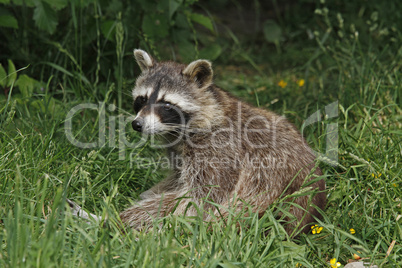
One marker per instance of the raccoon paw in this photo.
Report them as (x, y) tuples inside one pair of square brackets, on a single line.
[(78, 212)]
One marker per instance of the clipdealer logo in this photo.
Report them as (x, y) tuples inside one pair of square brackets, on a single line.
[(112, 131)]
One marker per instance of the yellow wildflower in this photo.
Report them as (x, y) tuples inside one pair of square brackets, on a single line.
[(356, 257), (334, 263), (352, 231), (282, 84), (316, 229), (301, 82)]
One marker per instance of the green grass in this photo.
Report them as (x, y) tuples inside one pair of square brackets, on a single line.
[(40, 168)]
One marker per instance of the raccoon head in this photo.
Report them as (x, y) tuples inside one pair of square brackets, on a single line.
[(171, 97)]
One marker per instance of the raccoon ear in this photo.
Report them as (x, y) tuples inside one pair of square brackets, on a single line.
[(143, 59), (200, 71)]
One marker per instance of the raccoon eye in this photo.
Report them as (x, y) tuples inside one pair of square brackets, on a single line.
[(141, 99), (139, 103), (167, 106)]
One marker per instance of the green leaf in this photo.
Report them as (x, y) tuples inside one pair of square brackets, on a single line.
[(203, 20), (45, 105), (50, 105), (3, 76), (155, 25), (8, 21), (108, 29), (272, 31), (39, 105), (57, 4), (12, 74), (180, 21), (186, 50), (147, 6), (28, 3), (226, 264), (45, 17), (26, 85), (173, 6), (294, 250), (81, 3), (3, 99), (211, 52), (4, 1), (59, 68)]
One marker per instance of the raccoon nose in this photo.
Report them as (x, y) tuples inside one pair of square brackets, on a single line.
[(137, 125)]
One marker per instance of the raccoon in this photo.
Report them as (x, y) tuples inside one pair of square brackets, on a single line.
[(225, 150)]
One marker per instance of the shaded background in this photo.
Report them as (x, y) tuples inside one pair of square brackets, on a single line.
[(83, 47)]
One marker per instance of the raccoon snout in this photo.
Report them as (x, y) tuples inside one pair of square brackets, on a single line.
[(137, 125)]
